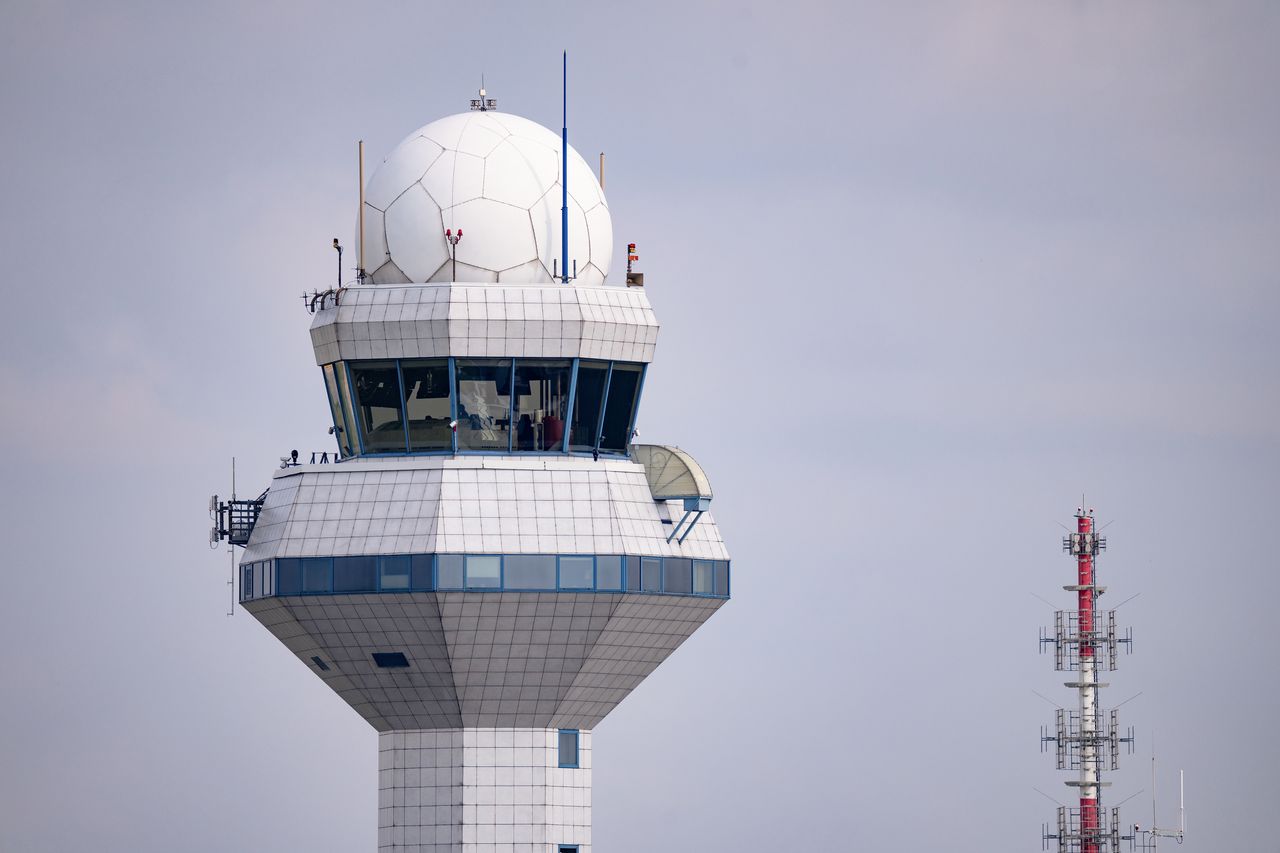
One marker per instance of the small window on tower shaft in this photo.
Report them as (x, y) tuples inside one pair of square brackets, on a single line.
[(568, 748)]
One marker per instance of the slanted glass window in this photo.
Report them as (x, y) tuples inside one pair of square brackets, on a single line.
[(449, 571), (343, 433), (542, 401), (348, 407), (246, 581), (288, 576), (377, 399), (609, 573), (703, 577), (577, 572), (484, 404), (529, 571), (355, 574), (568, 748), (426, 404), (633, 574), (484, 572), (587, 402), (394, 573), (676, 575), (624, 386), (422, 571), (317, 574), (651, 574)]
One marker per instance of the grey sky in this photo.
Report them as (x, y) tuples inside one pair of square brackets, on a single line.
[(924, 275)]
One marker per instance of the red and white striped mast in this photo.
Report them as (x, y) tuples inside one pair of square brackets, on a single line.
[(1087, 594), (1086, 740)]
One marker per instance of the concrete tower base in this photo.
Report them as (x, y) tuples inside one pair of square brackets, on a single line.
[(481, 790)]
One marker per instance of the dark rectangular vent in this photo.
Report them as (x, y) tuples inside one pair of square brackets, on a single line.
[(391, 660), (315, 659)]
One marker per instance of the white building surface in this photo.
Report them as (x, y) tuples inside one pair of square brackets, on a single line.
[(488, 565)]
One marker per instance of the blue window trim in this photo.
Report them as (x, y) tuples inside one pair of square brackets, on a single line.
[(337, 438), (511, 407), (561, 848), (635, 410), (466, 573), (404, 407), (560, 587), (604, 406), (577, 749), (355, 431), (346, 368), (568, 413), (453, 404), (268, 571)]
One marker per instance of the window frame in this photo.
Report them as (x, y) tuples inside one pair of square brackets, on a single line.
[(577, 749)]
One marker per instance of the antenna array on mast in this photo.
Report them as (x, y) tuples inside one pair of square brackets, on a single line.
[(1086, 740)]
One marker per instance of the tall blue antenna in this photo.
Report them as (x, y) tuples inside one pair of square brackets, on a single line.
[(564, 170)]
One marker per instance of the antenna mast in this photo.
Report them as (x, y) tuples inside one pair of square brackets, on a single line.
[(1086, 740), (564, 168), (360, 260), (1146, 838)]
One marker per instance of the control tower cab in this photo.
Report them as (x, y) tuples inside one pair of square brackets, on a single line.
[(489, 565)]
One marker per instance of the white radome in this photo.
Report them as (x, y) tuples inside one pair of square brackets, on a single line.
[(496, 177)]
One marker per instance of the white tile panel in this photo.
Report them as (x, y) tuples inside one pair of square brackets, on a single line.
[(481, 790), (499, 320), (419, 249), (530, 505)]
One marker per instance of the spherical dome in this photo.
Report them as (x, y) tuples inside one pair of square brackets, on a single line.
[(496, 178)]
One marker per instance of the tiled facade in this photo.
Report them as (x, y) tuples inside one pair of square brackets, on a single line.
[(475, 505), (486, 321), (481, 790), (552, 659), (470, 686)]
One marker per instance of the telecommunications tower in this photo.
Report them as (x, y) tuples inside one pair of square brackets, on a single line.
[(1086, 740), (491, 564)]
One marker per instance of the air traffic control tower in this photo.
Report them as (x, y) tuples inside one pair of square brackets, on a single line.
[(488, 565)]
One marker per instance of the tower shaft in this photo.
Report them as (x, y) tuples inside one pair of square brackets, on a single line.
[(1090, 773)]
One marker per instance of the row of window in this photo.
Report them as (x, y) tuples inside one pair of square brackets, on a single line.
[(502, 405), (512, 572)]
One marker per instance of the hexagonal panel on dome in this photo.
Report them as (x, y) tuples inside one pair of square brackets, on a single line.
[(455, 178), (531, 273), (407, 162), (428, 182), (375, 238), (545, 216), (520, 171), (460, 271), (415, 234), (448, 130), (500, 238), (480, 137), (584, 185), (600, 231), (589, 276)]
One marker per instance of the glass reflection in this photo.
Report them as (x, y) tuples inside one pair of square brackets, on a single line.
[(624, 385), (344, 433), (377, 399), (426, 403), (587, 401), (542, 398), (484, 404)]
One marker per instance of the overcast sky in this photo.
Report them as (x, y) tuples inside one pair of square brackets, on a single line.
[(925, 274)]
